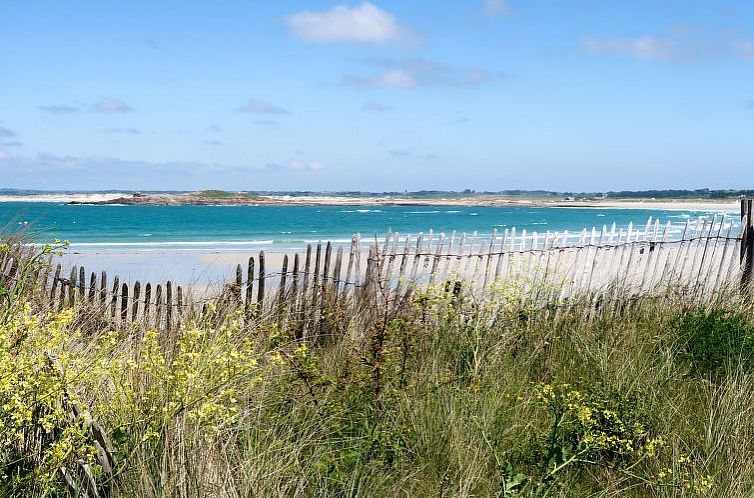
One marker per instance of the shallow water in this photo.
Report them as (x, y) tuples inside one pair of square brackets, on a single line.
[(202, 244), (280, 228)]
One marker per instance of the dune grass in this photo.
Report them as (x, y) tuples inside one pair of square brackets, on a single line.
[(444, 396)]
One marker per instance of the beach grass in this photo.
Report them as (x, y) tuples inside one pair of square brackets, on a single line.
[(443, 396)]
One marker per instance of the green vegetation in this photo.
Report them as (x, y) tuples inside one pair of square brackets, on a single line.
[(223, 195), (703, 193), (445, 396)]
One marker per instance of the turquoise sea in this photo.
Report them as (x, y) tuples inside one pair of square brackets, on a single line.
[(202, 244), (291, 227)]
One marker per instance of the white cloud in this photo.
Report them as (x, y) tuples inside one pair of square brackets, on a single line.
[(396, 78), (6, 133), (364, 23), (495, 7), (416, 72), (259, 107), (112, 106), (678, 46)]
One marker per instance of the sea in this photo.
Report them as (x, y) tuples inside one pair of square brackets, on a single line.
[(178, 241)]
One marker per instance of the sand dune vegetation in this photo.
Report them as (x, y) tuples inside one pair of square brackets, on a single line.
[(448, 394)]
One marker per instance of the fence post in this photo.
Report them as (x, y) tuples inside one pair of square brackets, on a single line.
[(747, 242)]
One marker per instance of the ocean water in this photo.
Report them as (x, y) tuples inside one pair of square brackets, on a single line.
[(284, 228), (201, 245)]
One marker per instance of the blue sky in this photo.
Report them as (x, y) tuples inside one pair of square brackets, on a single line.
[(382, 95)]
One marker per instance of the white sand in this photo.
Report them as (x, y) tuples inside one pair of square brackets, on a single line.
[(62, 198), (481, 200)]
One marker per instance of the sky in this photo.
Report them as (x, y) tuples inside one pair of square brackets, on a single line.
[(382, 95)]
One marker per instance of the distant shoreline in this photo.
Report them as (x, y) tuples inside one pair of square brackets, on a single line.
[(193, 199)]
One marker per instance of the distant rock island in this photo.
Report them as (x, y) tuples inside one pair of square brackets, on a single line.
[(203, 198)]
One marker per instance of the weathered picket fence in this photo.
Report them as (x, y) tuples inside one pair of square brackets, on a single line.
[(709, 254)]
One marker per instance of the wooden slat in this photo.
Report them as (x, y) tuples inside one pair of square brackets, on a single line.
[(135, 302), (357, 260), (103, 292), (305, 283), (82, 284), (159, 308), (668, 272), (249, 283), (238, 288), (649, 253), (168, 305), (336, 275), (417, 259), (388, 260), (72, 287), (349, 267), (488, 266), (283, 278), (147, 304), (179, 308), (294, 282), (723, 258), (114, 298), (92, 288), (708, 256), (691, 243), (501, 256), (436, 258), (124, 304), (260, 282), (660, 250)]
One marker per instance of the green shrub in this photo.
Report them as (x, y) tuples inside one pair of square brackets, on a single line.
[(715, 341)]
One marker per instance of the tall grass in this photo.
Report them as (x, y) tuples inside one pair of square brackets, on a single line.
[(443, 395)]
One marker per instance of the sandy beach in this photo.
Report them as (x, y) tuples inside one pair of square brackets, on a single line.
[(369, 201), (61, 198)]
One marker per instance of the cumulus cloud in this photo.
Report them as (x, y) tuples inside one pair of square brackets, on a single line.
[(213, 129), (494, 7), (373, 106), (417, 72), (6, 133), (364, 23), (682, 45), (112, 106), (259, 107), (58, 109)]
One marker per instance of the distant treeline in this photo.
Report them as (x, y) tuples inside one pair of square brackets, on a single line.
[(703, 193)]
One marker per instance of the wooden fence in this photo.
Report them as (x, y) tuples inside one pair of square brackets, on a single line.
[(708, 254)]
